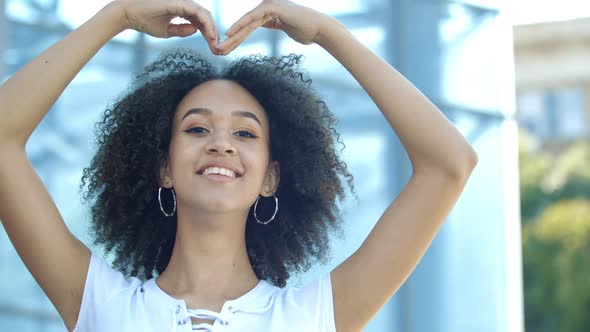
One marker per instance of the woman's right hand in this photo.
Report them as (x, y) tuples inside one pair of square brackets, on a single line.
[(153, 17)]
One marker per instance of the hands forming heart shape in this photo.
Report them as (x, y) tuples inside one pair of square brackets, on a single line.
[(153, 17)]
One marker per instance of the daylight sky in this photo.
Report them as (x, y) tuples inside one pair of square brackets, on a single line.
[(520, 11)]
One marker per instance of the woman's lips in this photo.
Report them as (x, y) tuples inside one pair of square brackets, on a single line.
[(219, 178)]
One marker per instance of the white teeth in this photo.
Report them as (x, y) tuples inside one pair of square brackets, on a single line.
[(219, 170)]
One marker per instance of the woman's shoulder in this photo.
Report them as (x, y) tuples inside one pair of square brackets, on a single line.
[(107, 293), (311, 303), (102, 272), (310, 290)]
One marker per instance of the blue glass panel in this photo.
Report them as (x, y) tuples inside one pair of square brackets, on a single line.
[(455, 54)]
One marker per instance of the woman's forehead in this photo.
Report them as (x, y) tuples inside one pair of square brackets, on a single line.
[(221, 98)]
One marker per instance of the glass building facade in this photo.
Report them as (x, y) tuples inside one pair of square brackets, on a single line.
[(459, 53)]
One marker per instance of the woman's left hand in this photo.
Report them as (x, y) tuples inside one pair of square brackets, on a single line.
[(302, 24)]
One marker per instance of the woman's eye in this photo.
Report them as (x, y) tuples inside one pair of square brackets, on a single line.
[(246, 134), (196, 130), (240, 133)]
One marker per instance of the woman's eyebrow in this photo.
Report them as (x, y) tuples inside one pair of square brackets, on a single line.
[(206, 111)]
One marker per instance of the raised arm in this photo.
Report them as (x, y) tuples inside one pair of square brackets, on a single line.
[(28, 95), (442, 161), (57, 260)]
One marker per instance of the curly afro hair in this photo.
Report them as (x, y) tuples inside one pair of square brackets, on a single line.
[(133, 139)]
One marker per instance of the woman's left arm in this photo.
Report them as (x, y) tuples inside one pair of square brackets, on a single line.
[(432, 142), (441, 158), (442, 161)]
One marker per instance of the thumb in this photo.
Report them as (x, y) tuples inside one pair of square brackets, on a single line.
[(181, 30), (275, 23)]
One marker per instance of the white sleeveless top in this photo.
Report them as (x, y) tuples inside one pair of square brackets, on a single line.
[(112, 302)]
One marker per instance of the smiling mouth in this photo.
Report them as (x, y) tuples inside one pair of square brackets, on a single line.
[(220, 170), (219, 177)]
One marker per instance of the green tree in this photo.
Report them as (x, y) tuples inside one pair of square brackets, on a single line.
[(555, 210)]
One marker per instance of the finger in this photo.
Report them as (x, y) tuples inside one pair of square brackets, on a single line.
[(215, 31), (239, 25), (181, 30), (209, 31), (217, 38), (256, 14), (232, 42), (209, 26), (212, 43), (200, 17)]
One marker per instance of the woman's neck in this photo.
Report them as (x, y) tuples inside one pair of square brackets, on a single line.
[(209, 263)]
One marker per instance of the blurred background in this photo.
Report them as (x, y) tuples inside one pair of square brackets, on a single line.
[(514, 254)]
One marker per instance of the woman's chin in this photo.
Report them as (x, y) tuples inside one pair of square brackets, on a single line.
[(220, 205)]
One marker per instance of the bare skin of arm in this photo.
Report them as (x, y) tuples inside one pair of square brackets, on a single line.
[(442, 161), (55, 257)]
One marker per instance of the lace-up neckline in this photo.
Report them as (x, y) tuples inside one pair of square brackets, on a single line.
[(256, 301), (205, 314)]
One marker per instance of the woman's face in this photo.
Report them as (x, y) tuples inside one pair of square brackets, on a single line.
[(219, 125)]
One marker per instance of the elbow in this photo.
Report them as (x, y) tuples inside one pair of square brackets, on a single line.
[(457, 169), (461, 168), (473, 159), (467, 166)]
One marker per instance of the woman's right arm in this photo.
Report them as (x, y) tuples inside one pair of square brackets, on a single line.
[(27, 96), (58, 260)]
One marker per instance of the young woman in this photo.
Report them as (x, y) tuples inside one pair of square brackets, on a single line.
[(186, 182)]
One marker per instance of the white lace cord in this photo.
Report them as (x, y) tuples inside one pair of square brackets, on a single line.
[(254, 311), (208, 314), (205, 314)]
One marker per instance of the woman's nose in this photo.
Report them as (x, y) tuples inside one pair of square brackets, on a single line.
[(220, 143)]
